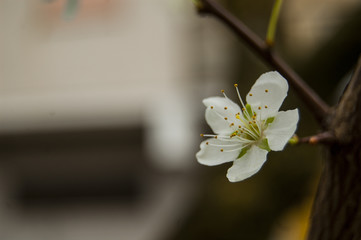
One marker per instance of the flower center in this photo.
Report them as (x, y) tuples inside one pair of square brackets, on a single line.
[(249, 127)]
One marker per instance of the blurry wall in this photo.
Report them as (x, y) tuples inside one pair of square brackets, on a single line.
[(98, 68), (98, 121)]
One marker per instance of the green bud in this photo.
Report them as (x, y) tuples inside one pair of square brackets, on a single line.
[(293, 140)]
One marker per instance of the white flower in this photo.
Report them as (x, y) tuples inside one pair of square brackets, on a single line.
[(246, 135)]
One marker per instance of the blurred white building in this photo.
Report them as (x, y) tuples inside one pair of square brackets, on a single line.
[(101, 102)]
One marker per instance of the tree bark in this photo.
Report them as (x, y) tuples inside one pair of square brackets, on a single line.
[(336, 211)]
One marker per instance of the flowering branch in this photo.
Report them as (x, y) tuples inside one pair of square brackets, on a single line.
[(315, 104), (335, 213)]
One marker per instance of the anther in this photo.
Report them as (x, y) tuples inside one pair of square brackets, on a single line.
[(215, 137), (202, 135), (250, 122), (254, 117), (239, 126), (211, 107), (222, 91), (225, 108), (207, 143), (265, 106), (254, 121), (225, 118), (232, 124), (266, 90), (221, 149), (259, 108), (236, 85), (251, 94)]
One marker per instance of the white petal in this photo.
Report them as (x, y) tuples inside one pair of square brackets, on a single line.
[(220, 102), (220, 114), (247, 165), (281, 129), (211, 155), (267, 94)]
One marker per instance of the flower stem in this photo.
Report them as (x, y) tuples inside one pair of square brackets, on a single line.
[(321, 138)]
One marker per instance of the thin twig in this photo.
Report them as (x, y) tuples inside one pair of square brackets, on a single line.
[(321, 138), (315, 104)]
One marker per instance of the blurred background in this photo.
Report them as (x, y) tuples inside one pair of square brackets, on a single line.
[(100, 116)]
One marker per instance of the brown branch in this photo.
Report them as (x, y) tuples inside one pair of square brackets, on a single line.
[(321, 138), (315, 104)]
